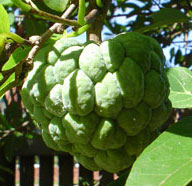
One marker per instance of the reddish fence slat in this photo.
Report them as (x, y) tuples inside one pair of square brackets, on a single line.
[(65, 170), (26, 170), (46, 170)]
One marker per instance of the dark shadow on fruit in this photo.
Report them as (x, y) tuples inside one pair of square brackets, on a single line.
[(73, 90), (72, 55)]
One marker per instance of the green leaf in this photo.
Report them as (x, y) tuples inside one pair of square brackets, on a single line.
[(180, 79), (99, 3), (2, 180), (5, 169), (23, 6), (168, 160), (58, 5), (4, 29), (9, 147), (18, 55), (12, 36), (11, 18), (6, 2), (8, 84), (179, 57), (165, 16), (2, 43), (34, 26), (4, 20)]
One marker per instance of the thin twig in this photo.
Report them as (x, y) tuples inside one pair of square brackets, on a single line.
[(54, 18), (25, 65), (157, 4), (37, 42), (185, 39), (94, 33), (45, 36), (11, 131), (189, 41)]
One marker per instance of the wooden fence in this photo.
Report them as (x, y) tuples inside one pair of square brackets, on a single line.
[(66, 174)]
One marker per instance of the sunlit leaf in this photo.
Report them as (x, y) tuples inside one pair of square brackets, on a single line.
[(11, 18), (4, 20), (168, 160), (6, 2), (180, 79), (18, 55), (58, 5), (7, 85), (15, 37)]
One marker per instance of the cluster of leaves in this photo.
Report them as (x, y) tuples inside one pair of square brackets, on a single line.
[(166, 21), (167, 161), (15, 127), (16, 27)]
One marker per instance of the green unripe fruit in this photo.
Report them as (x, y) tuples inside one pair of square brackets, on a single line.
[(100, 103)]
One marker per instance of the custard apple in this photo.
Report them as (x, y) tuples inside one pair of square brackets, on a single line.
[(100, 103)]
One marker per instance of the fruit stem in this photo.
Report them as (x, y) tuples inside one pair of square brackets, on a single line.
[(94, 33)]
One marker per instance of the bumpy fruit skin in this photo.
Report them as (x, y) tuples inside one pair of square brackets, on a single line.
[(100, 103)]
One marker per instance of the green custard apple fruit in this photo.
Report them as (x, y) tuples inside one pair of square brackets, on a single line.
[(100, 103)]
